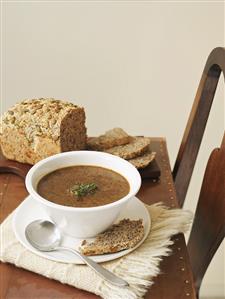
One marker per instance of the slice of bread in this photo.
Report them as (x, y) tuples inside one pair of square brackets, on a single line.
[(136, 147), (111, 138), (144, 160), (126, 234)]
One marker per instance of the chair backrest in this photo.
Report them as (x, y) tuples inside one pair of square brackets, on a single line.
[(193, 134), (208, 229)]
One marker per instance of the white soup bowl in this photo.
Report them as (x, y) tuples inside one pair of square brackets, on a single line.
[(83, 222)]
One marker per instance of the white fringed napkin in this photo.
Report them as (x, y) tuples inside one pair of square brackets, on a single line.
[(137, 268)]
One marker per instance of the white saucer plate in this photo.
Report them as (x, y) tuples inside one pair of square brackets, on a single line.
[(30, 210)]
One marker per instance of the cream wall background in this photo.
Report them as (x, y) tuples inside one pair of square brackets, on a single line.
[(131, 64)]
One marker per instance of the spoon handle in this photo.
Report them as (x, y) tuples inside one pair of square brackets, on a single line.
[(104, 273)]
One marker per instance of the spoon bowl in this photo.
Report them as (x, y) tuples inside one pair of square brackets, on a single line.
[(43, 235)]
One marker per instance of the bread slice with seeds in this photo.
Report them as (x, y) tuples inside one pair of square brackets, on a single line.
[(144, 160), (126, 234), (111, 138), (136, 147)]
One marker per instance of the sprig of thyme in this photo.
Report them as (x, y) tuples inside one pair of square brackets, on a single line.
[(80, 190)]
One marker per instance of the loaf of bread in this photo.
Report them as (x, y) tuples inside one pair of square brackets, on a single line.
[(35, 129), (126, 234)]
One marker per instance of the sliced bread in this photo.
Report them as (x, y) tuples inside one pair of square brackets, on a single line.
[(126, 234), (144, 160), (136, 147), (111, 138)]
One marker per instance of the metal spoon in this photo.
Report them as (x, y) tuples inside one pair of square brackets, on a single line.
[(45, 236)]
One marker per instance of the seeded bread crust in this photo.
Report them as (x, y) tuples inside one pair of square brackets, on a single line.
[(35, 129), (136, 147), (144, 160), (111, 138), (126, 234)]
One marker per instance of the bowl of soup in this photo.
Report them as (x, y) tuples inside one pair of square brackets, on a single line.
[(83, 192)]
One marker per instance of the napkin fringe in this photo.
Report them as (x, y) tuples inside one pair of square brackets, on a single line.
[(139, 268)]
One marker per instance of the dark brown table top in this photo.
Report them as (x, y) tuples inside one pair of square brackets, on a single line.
[(174, 282)]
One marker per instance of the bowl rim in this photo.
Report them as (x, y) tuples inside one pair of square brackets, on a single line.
[(44, 201)]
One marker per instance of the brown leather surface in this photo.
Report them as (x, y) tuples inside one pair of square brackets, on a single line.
[(174, 282)]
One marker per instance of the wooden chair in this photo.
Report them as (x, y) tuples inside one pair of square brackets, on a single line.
[(195, 127), (208, 229)]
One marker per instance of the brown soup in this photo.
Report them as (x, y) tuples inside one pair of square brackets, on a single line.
[(83, 186)]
